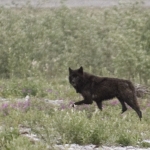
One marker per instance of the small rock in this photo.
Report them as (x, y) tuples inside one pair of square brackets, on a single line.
[(146, 141)]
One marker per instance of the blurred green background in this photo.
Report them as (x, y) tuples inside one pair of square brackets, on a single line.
[(41, 43)]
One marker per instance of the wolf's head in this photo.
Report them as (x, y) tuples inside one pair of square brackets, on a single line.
[(75, 76)]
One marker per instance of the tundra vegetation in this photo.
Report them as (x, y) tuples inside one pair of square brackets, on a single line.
[(38, 45)]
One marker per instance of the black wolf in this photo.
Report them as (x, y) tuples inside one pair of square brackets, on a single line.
[(98, 89)]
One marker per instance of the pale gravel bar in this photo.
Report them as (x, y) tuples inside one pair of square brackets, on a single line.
[(69, 3)]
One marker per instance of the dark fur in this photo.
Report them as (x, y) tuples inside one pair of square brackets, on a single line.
[(98, 89)]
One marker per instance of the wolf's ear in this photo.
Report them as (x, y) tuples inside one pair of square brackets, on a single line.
[(80, 70), (70, 70)]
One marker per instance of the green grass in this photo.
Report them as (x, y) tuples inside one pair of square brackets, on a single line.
[(66, 125)]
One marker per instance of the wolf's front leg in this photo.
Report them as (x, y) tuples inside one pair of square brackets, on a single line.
[(85, 101), (79, 102)]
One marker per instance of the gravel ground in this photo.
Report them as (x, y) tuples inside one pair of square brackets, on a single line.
[(69, 3), (93, 147), (25, 131)]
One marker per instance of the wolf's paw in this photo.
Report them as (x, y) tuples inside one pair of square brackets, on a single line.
[(73, 105)]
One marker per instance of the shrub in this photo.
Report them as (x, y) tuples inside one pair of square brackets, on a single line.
[(110, 42)]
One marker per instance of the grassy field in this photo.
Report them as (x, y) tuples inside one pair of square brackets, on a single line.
[(65, 125), (62, 124), (36, 48)]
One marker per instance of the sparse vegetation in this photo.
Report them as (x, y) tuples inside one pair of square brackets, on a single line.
[(82, 125), (36, 48)]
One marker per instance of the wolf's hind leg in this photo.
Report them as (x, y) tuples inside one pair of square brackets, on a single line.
[(99, 104), (124, 108), (135, 107)]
